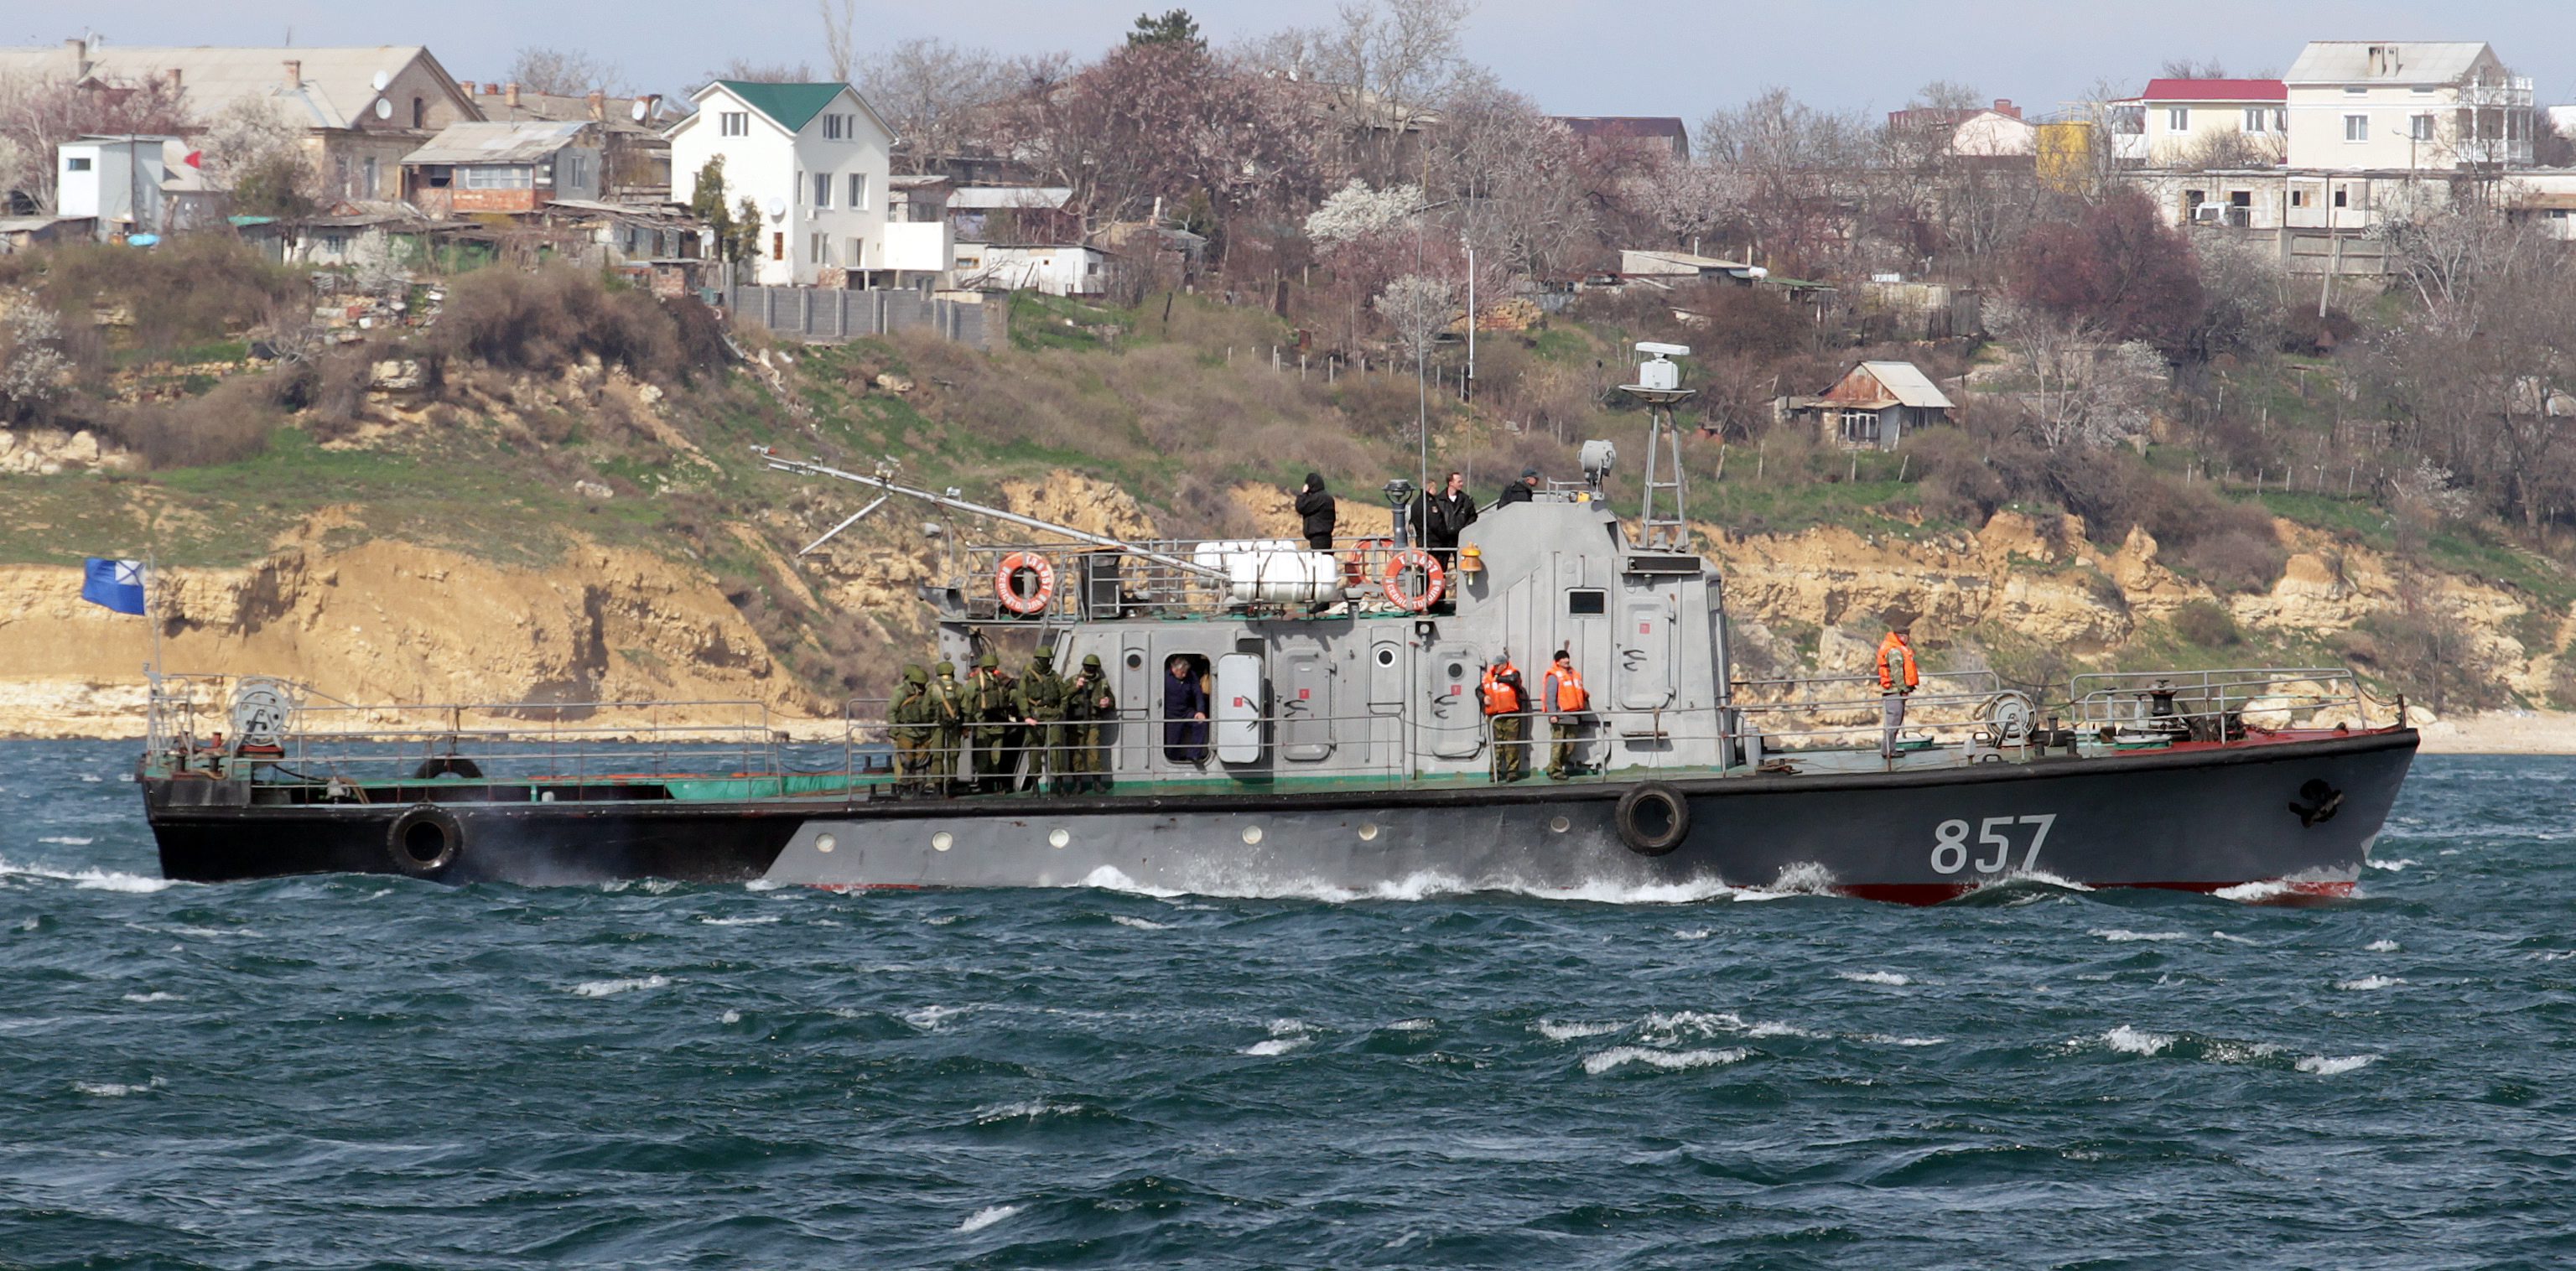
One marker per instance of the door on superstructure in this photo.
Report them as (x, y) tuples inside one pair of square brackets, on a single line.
[(1453, 721), (1140, 698), (1645, 652), (1306, 725)]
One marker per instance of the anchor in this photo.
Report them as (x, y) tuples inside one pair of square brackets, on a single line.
[(2317, 802)]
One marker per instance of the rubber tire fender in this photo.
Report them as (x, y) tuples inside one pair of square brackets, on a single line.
[(1675, 812), (451, 840)]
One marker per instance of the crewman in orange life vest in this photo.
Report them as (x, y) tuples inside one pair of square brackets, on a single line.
[(1502, 693), (1562, 691), (1897, 676)]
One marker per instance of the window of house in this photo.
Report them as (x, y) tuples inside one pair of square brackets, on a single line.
[(2356, 127), (2419, 128), (2257, 119), (820, 248), (1859, 426), (371, 171), (76, 165), (2354, 91), (831, 127), (2298, 198), (2178, 118), (576, 171), (419, 113), (733, 123), (970, 262), (822, 189), (858, 191), (2343, 197), (499, 176), (777, 245), (858, 253)]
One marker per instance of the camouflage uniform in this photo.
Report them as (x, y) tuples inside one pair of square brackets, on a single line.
[(1089, 705), (909, 725), (992, 706), (1041, 708), (948, 725)]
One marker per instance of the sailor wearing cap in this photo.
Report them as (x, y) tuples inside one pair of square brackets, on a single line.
[(1521, 490)]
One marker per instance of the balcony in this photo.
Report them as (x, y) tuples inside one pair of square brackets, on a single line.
[(916, 246)]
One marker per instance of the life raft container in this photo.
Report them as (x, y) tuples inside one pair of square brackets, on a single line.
[(1402, 566), (1006, 583)]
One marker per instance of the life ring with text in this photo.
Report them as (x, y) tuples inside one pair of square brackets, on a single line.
[(425, 840), (1653, 818), (1402, 566), (1019, 566)]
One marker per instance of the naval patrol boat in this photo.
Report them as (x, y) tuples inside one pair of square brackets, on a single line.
[(1345, 750)]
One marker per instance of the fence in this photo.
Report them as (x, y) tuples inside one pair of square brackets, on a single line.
[(819, 315)]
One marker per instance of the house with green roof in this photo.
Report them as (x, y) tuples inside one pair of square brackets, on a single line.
[(813, 160)]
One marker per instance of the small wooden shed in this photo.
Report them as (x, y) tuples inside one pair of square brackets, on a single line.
[(1874, 406)]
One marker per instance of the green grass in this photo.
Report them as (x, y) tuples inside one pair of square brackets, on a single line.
[(1057, 322)]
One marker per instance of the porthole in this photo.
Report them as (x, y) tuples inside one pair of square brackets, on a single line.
[(1560, 825), (1457, 670), (942, 841), (1386, 657), (1058, 838), (1368, 833), (1134, 659), (1252, 834), (825, 842)]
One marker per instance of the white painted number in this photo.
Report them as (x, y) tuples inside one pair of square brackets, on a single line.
[(1950, 843)]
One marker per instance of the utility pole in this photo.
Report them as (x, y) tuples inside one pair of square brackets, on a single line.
[(1467, 387)]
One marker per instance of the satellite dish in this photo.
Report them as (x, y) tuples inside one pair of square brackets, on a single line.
[(381, 80), (777, 209), (639, 110), (384, 109)]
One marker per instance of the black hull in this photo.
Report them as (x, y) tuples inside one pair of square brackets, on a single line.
[(2196, 818)]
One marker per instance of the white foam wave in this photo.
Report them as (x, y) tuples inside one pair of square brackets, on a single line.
[(730, 1017), (1886, 1040), (986, 1217), (1694, 933), (1557, 1032), (114, 1089), (611, 988), (931, 1019), (154, 996), (2381, 946), (1285, 1035), (91, 778), (66, 840), (1765, 1028), (1141, 924), (2394, 867), (1025, 1110), (2559, 956), (2329, 1066), (2232, 938), (1112, 878), (1420, 886), (1668, 1060), (88, 879), (1412, 1026), (940, 920), (740, 922), (1888, 978), (763, 884), (2122, 935), (2133, 1041), (2368, 983)]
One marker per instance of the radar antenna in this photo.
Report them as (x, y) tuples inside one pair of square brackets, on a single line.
[(1664, 522)]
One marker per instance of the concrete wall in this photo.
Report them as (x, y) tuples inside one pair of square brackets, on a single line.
[(821, 316)]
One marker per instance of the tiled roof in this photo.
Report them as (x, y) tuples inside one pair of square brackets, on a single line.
[(2216, 90)]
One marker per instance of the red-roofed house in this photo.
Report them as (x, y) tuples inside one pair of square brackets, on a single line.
[(1646, 136), (2228, 123)]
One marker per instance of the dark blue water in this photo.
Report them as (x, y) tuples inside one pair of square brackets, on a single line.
[(367, 1072)]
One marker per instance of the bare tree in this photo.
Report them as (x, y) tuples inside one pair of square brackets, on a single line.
[(1418, 308), (840, 37), (1803, 171), (1516, 181), (1688, 200), (932, 94), (38, 114), (2083, 392), (564, 72), (1380, 69), (752, 72), (2192, 68)]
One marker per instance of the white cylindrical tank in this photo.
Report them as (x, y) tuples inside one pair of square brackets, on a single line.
[(1241, 698)]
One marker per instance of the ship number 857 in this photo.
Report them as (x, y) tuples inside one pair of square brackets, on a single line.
[(1997, 837)]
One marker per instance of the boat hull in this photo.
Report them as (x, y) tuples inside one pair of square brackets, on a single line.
[(2303, 813)]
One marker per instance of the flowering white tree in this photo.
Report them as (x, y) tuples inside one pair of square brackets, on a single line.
[(31, 363), (1689, 200), (255, 151), (2082, 394), (1419, 308), (1355, 211)]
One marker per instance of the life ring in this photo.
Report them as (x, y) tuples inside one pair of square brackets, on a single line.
[(1006, 582), (1435, 581), (1363, 559), (425, 840), (1653, 818)]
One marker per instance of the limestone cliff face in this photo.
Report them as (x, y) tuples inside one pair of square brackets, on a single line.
[(391, 622)]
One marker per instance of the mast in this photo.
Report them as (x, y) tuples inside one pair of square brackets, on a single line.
[(1659, 387), (884, 480)]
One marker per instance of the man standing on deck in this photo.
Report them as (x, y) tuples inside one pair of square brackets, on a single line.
[(1504, 696), (993, 706), (1520, 491), (947, 726), (1897, 677), (1440, 518), (1041, 711), (1088, 708), (1317, 513), (909, 721), (1562, 695)]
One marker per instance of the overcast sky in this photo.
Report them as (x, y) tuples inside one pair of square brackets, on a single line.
[(1603, 57)]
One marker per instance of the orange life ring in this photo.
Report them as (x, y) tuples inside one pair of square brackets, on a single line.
[(1435, 581), (1006, 583), (1363, 559)]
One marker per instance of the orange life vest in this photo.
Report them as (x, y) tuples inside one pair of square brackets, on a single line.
[(1500, 698), (1894, 652), (1570, 696)]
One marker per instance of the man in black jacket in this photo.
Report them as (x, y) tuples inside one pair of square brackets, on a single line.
[(1521, 490), (1315, 508), (1447, 516)]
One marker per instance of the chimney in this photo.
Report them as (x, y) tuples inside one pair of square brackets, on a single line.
[(465, 86), (510, 94), (598, 105), (294, 73), (79, 49), (2005, 108)]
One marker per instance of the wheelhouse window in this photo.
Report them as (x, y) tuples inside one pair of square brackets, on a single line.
[(1583, 602)]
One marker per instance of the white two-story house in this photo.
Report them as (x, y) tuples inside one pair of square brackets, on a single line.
[(813, 159), (2406, 106), (2232, 123)]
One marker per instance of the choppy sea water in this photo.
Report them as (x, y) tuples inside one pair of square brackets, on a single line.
[(373, 1072)]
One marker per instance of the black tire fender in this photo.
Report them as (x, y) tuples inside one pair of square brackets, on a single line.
[(425, 840), (1653, 818)]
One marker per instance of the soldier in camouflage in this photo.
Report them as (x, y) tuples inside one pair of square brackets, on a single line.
[(947, 725), (1041, 707), (1089, 705), (993, 710), (910, 726)]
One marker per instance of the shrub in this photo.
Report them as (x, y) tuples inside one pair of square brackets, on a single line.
[(230, 423), (2208, 625), (552, 318), (191, 289)]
